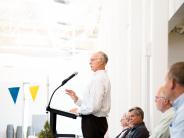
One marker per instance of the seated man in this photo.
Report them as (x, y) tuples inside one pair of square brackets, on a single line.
[(125, 125), (163, 105), (138, 129)]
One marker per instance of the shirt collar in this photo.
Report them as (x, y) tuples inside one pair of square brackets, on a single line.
[(99, 71), (134, 127), (178, 102)]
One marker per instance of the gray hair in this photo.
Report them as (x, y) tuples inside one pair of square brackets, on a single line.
[(138, 111), (176, 72), (104, 57)]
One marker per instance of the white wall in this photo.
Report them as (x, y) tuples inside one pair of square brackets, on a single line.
[(16, 71), (135, 37), (159, 51)]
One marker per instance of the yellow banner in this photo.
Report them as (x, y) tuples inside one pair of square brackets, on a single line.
[(34, 91)]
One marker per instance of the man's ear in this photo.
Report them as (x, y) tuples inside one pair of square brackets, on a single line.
[(166, 101), (173, 84), (102, 63)]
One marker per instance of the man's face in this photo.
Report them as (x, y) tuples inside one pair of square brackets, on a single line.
[(125, 121), (134, 118), (160, 99), (96, 62)]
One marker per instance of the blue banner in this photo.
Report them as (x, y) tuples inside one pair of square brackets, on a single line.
[(14, 93)]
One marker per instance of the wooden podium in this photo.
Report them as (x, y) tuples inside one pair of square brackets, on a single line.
[(53, 120)]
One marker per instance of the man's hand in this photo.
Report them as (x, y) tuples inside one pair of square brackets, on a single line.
[(72, 94), (74, 110)]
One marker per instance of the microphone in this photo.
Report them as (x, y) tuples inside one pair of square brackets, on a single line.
[(70, 77)]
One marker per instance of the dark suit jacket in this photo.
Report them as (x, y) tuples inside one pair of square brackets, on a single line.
[(125, 131), (138, 131)]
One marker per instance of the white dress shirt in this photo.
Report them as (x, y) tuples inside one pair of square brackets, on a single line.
[(162, 129), (97, 98)]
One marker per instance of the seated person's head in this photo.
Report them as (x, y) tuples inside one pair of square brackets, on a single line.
[(136, 116), (162, 103), (125, 120)]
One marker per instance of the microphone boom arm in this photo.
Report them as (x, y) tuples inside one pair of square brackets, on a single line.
[(53, 95), (63, 83)]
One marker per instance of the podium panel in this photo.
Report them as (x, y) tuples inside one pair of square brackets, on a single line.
[(53, 121)]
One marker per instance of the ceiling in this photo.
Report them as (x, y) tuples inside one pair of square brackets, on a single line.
[(48, 25), (176, 23)]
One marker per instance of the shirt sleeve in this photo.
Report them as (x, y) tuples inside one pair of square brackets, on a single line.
[(78, 102)]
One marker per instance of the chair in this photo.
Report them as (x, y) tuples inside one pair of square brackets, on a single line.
[(19, 132), (30, 131), (10, 131)]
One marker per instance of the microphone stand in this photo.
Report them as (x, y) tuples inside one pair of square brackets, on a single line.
[(48, 107), (55, 112)]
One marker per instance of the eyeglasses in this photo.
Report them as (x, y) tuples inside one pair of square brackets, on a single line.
[(159, 97), (93, 59)]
